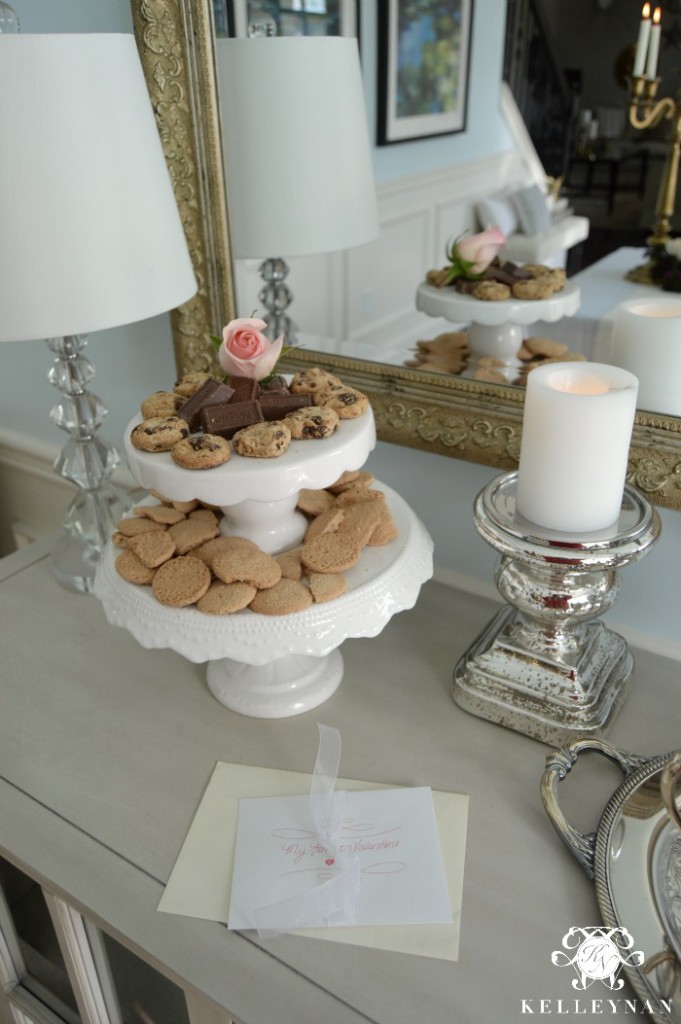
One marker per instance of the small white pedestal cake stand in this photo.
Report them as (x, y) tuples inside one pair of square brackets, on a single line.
[(261, 665), (258, 496), (495, 328)]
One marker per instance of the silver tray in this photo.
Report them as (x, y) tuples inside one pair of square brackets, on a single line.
[(634, 860)]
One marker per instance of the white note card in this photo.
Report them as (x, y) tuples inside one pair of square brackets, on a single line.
[(391, 835), (201, 880)]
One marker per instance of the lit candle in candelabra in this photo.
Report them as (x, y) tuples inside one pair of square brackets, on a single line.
[(653, 45), (642, 43), (573, 457)]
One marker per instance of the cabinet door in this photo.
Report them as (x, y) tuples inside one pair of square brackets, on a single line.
[(56, 967)]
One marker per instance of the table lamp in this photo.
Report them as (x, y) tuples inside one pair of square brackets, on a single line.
[(90, 238), (297, 155)]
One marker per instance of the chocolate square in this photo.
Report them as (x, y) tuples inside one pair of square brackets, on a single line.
[(275, 407), (274, 386), (210, 393), (245, 388), (227, 418)]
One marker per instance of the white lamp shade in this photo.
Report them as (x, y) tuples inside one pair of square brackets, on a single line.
[(90, 235), (646, 340), (296, 144)]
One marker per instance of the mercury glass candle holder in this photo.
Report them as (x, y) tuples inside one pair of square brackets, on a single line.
[(546, 665)]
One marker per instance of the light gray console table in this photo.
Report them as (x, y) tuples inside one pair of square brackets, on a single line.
[(106, 748)]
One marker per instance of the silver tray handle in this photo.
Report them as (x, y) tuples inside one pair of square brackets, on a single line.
[(559, 764), (671, 773)]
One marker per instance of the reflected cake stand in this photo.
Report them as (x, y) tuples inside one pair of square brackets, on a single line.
[(496, 328), (269, 666)]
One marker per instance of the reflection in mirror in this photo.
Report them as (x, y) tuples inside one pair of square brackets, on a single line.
[(427, 191)]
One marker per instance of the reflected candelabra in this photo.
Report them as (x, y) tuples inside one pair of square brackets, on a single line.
[(645, 111)]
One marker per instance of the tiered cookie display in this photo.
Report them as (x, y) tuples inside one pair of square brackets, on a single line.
[(264, 562)]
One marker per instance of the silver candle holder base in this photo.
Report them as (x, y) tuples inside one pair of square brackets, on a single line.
[(543, 666)]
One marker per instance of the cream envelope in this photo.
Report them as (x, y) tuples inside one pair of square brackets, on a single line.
[(200, 883)]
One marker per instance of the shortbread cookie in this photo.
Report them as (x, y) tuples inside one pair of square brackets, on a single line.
[(201, 451), (181, 581), (489, 375), (309, 382), (345, 478), (290, 564), (207, 514), (357, 494), (325, 522), (133, 526), (314, 501), (326, 586), (346, 401), (218, 545), (133, 569), (159, 433), (360, 520), (262, 440), (359, 478), (312, 423), (547, 347), (385, 531), (192, 533), (161, 403), (331, 552), (284, 598), (153, 548), (254, 567), (165, 514), (226, 598), (491, 291), (185, 506), (120, 540), (190, 383)]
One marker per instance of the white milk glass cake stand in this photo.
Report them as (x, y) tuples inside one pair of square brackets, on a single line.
[(496, 328), (269, 666)]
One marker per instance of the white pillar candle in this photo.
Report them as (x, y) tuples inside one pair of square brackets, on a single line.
[(646, 340), (653, 45), (573, 455), (642, 42)]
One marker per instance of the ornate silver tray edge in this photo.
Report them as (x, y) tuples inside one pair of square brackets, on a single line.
[(592, 851)]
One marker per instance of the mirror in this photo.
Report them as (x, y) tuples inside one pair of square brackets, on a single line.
[(461, 418)]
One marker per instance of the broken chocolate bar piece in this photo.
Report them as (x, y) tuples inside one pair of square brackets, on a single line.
[(275, 407), (225, 419), (274, 385), (245, 388), (210, 393)]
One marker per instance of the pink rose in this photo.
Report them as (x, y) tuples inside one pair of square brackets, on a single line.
[(480, 250), (245, 351)]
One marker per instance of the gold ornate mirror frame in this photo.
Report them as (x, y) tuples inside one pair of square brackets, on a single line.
[(445, 415)]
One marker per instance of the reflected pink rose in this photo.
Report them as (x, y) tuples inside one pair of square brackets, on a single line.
[(480, 250)]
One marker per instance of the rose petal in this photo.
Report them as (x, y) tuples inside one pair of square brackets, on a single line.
[(240, 323)]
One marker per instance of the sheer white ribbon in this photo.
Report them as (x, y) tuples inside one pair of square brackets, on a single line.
[(332, 902)]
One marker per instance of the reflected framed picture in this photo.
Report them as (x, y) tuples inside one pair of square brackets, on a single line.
[(288, 17), (423, 61)]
